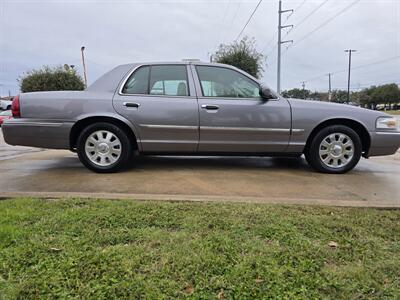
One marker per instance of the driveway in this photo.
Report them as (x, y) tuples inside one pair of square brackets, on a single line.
[(56, 173)]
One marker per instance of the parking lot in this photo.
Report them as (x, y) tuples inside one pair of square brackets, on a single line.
[(55, 173)]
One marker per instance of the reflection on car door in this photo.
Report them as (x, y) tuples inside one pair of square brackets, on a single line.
[(232, 116), (160, 101)]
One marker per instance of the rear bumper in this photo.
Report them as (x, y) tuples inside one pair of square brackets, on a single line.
[(383, 143), (37, 133)]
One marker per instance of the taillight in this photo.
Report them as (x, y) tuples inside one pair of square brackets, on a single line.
[(15, 108)]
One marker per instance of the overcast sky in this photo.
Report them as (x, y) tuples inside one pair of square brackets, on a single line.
[(44, 32)]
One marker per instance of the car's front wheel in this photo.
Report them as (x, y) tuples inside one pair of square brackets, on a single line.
[(334, 149), (104, 148)]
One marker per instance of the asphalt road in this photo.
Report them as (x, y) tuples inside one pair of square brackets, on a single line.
[(54, 173)]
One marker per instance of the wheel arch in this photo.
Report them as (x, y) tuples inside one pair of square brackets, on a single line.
[(88, 120), (358, 127)]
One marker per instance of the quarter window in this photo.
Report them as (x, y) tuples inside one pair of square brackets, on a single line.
[(223, 82), (138, 83)]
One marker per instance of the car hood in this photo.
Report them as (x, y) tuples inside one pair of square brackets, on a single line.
[(335, 107)]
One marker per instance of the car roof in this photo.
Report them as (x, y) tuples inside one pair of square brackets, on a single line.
[(110, 80), (196, 63)]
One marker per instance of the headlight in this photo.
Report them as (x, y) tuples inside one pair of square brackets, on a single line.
[(387, 123)]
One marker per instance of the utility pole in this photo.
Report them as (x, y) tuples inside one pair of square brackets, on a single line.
[(348, 78), (330, 88), (84, 65), (280, 42), (304, 89)]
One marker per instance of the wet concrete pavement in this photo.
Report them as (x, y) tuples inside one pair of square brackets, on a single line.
[(7, 152), (52, 173)]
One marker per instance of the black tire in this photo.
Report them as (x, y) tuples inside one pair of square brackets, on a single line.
[(9, 107), (313, 157), (126, 153)]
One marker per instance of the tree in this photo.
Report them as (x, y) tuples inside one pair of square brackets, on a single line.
[(296, 93), (386, 94), (51, 79), (339, 96), (383, 94), (241, 54)]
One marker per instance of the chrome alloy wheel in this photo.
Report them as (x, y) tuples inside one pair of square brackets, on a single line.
[(103, 148), (336, 150)]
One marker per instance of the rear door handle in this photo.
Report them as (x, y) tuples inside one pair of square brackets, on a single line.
[(208, 106), (131, 104)]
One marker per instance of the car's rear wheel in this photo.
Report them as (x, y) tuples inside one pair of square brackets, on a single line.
[(104, 148), (334, 149)]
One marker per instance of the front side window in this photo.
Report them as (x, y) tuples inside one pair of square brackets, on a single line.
[(223, 82), (165, 80)]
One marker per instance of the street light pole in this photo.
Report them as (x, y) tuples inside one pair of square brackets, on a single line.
[(330, 88), (348, 78), (304, 89), (84, 65)]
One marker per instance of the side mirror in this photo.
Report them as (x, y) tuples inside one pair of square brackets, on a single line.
[(266, 94)]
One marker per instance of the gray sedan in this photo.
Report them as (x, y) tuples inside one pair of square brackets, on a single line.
[(195, 109)]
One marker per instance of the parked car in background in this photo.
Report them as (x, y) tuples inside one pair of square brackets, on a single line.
[(5, 115), (194, 108), (5, 104)]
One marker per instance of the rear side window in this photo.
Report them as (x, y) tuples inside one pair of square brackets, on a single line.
[(138, 83), (163, 80), (168, 81)]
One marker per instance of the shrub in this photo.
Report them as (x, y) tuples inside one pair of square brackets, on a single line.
[(51, 79)]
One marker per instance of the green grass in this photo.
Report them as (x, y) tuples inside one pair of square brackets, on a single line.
[(393, 112), (105, 249)]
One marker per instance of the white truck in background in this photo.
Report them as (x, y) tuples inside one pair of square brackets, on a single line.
[(5, 104)]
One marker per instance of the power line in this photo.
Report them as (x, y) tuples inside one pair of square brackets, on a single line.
[(311, 13), (270, 42), (296, 9), (280, 43), (326, 22), (248, 21), (236, 12), (267, 44), (223, 20), (357, 67), (362, 86), (299, 6), (374, 63)]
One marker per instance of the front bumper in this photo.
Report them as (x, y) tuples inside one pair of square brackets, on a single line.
[(383, 143), (53, 134)]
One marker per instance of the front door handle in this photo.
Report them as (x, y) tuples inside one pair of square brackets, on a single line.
[(131, 104), (208, 106)]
